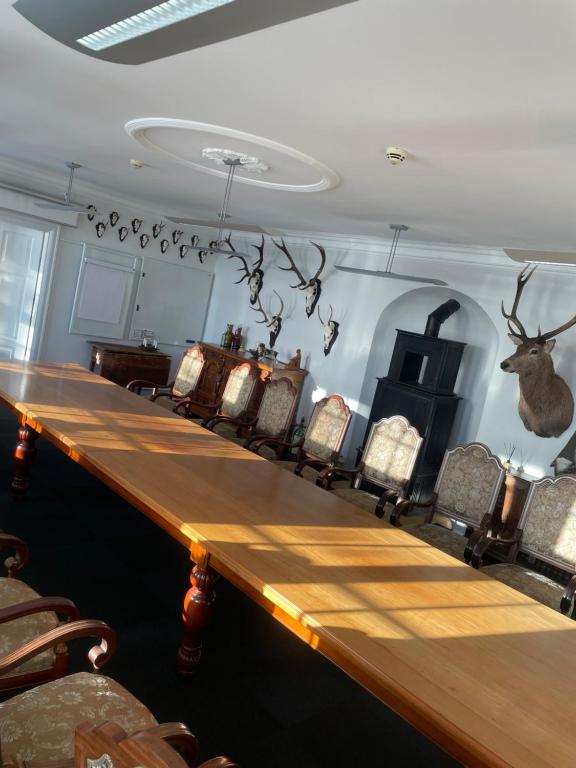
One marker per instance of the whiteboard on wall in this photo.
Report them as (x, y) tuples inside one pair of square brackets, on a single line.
[(171, 302), (105, 293)]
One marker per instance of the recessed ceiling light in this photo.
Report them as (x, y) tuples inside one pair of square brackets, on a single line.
[(157, 17)]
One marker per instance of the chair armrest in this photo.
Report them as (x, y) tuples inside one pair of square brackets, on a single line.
[(326, 475), (387, 496), (567, 598), (60, 605), (98, 655), (211, 422), (310, 462), (179, 737), (219, 762), (256, 442), (481, 540), (148, 384), (21, 556), (404, 505)]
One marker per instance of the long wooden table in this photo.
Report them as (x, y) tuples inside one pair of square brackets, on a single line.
[(481, 669)]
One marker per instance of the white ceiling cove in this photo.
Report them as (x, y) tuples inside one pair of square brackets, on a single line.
[(480, 94)]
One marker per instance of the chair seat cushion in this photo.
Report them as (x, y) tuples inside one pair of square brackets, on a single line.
[(359, 498), (442, 538), (165, 402), (37, 726), (14, 634), (533, 584), (226, 430)]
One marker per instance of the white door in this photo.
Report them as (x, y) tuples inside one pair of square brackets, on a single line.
[(21, 260)]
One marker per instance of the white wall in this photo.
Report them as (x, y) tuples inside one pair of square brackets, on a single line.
[(58, 344), (480, 279)]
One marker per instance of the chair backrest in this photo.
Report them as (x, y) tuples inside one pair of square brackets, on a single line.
[(469, 482), (277, 408), (327, 429), (548, 521), (390, 453), (239, 389), (189, 371)]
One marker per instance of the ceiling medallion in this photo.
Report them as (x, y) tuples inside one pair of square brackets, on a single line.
[(220, 156), (188, 143)]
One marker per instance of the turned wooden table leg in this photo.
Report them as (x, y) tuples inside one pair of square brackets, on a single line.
[(24, 455), (198, 605)]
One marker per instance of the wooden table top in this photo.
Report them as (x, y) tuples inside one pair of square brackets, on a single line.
[(482, 669)]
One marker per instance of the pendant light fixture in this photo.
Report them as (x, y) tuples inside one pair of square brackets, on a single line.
[(397, 229), (67, 205)]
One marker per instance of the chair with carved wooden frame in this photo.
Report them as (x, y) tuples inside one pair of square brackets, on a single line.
[(273, 420), (467, 489), (234, 403), (184, 384), (108, 746), (388, 461), (322, 442), (26, 617), (37, 727), (545, 539)]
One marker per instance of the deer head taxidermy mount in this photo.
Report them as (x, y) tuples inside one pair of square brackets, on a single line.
[(274, 323), (546, 405), (311, 287), (254, 276), (330, 331)]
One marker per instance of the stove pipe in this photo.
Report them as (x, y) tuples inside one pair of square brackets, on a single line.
[(440, 314)]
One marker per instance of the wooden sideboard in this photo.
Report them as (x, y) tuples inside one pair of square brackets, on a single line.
[(122, 363), (219, 363)]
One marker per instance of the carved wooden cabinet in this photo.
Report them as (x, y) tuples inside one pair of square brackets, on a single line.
[(219, 363), (122, 363)]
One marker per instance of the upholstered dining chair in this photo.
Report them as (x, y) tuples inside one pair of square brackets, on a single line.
[(466, 492), (388, 461), (273, 420), (26, 617), (232, 407), (109, 746), (184, 385), (545, 539), (37, 727), (322, 442)]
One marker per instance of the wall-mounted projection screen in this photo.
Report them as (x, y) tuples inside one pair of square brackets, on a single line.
[(105, 293), (172, 302)]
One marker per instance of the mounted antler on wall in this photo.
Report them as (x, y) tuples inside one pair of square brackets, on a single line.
[(546, 405), (313, 286), (254, 276), (330, 331), (274, 323)]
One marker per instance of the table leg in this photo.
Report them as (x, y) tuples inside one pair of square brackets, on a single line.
[(198, 605), (24, 455)]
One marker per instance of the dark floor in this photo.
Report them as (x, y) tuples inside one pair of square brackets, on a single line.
[(261, 696)]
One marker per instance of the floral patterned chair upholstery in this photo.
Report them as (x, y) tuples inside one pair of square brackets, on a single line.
[(27, 619), (388, 461), (230, 411), (274, 418), (185, 383), (545, 536), (467, 488), (322, 442)]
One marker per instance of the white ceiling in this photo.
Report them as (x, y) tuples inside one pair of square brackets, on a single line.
[(480, 93)]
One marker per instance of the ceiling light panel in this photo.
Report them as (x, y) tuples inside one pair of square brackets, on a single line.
[(157, 17), (139, 31)]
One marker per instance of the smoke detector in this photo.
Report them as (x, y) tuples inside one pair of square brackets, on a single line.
[(396, 155)]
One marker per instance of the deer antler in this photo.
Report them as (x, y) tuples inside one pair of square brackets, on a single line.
[(512, 318), (292, 268), (260, 308), (320, 316), (561, 329), (260, 249), (322, 262), (234, 255), (279, 313)]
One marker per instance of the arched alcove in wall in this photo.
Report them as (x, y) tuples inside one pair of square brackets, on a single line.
[(471, 324)]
